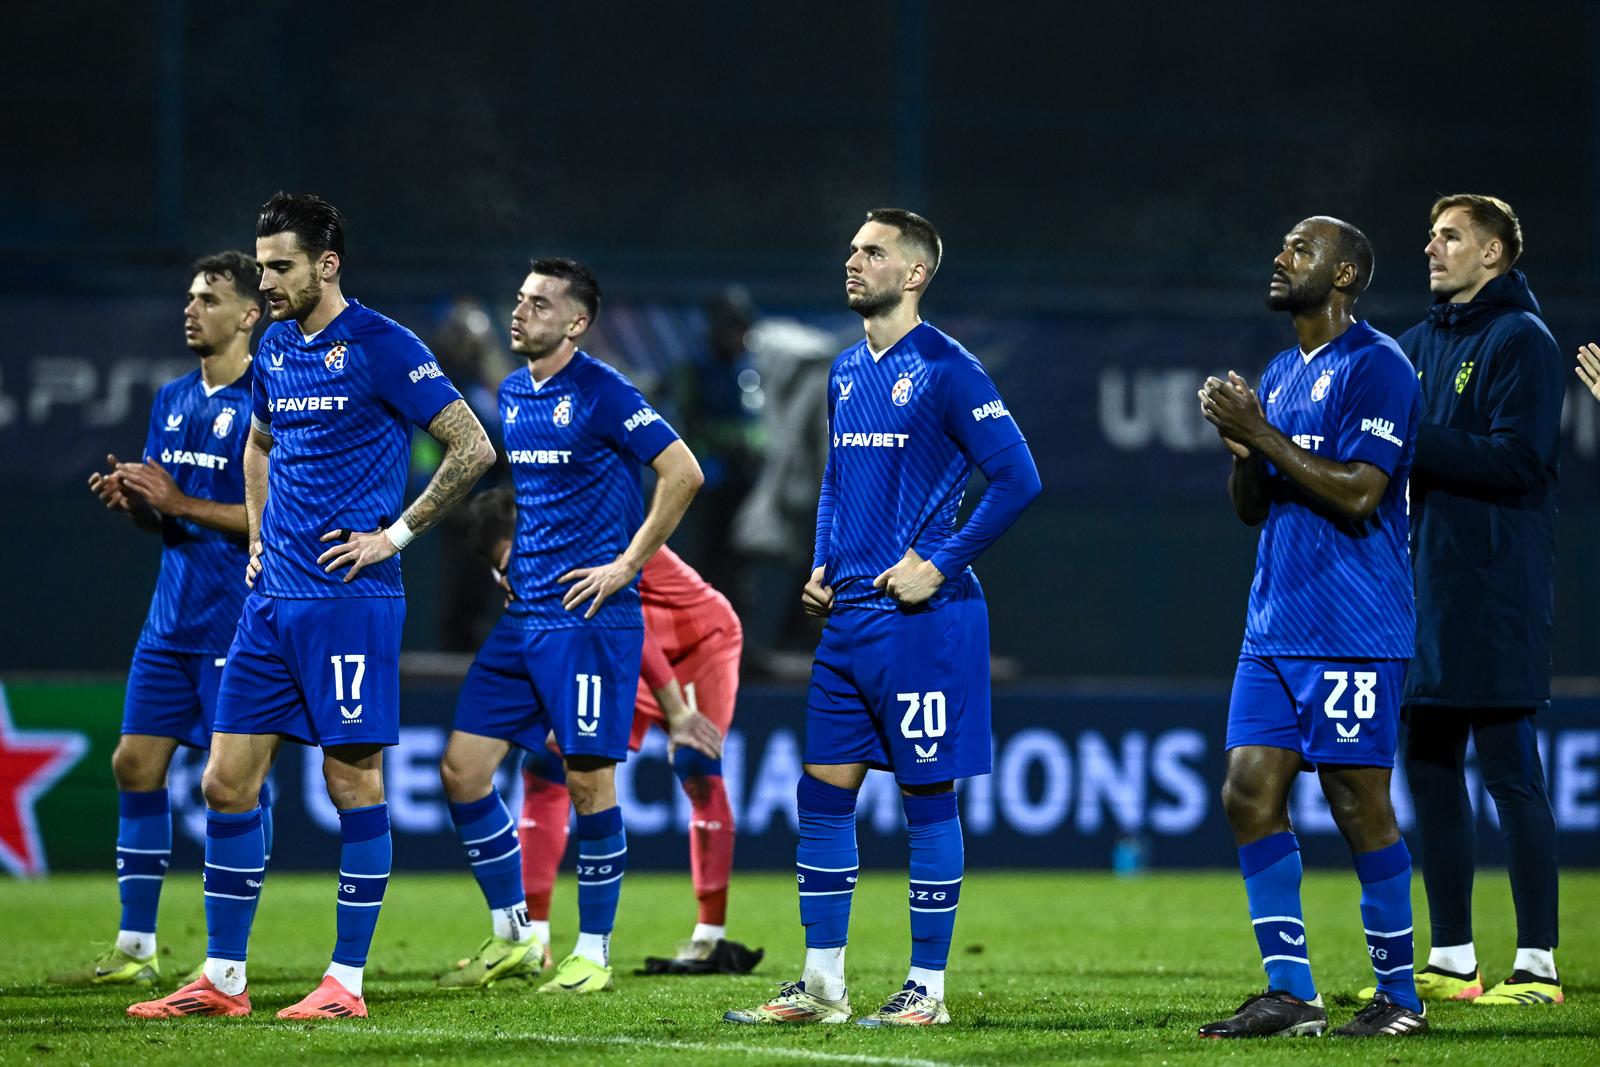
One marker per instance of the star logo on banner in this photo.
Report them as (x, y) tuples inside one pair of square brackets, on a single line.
[(30, 763)]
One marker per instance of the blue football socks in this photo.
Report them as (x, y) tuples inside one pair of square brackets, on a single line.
[(937, 860), (236, 864), (489, 835), (826, 861), (1271, 869), (365, 858), (144, 849), (1386, 915), (602, 861)]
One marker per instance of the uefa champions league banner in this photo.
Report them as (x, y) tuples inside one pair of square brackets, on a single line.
[(1108, 403), (1083, 777)]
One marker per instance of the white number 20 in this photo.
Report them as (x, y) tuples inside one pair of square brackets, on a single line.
[(931, 705), (1366, 700)]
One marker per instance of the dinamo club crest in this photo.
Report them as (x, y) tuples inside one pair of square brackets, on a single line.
[(334, 360), (901, 393), (1319, 390), (562, 416), (222, 425)]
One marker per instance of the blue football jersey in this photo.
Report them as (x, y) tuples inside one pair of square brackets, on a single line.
[(198, 436), (1327, 587), (576, 442), (906, 429), (339, 408)]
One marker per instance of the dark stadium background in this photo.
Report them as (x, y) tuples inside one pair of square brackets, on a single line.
[(1111, 182)]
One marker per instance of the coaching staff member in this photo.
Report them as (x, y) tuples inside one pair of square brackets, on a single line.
[(1483, 509)]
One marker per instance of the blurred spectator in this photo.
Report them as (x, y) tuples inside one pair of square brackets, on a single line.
[(469, 351), (776, 525), (719, 400)]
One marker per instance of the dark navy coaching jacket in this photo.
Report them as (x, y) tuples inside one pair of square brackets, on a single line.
[(1483, 499)]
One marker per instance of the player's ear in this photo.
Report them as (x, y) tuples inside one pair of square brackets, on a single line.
[(1345, 275), (1493, 249), (328, 266), (247, 321), (917, 276)]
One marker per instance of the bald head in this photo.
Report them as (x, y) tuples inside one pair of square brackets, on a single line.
[(1345, 245)]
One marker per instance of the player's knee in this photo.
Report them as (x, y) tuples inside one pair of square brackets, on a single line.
[(354, 790), (225, 794), (1244, 804), (697, 788), (584, 792), (463, 780), (590, 784), (1365, 819), (694, 770), (136, 770)]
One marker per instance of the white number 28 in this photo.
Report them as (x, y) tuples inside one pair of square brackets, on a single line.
[(1366, 699)]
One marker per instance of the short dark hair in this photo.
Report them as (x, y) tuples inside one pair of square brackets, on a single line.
[(1350, 245), (315, 223), (242, 270), (1487, 213), (581, 282), (491, 518), (914, 228)]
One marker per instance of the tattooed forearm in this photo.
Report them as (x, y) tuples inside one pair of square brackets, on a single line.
[(255, 480), (467, 454)]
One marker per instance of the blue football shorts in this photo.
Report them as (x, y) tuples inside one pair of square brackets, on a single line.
[(1335, 711), (904, 691), (172, 694), (579, 681), (321, 672)]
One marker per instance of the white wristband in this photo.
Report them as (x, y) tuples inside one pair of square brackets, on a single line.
[(399, 534)]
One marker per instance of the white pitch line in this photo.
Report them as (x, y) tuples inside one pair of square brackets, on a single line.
[(769, 1051), (776, 1052)]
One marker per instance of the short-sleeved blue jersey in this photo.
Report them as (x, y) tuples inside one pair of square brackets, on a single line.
[(1325, 586), (198, 435), (339, 408), (906, 428), (576, 442)]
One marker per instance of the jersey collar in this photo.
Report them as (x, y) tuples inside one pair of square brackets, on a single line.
[(312, 339), (877, 357), (539, 386)]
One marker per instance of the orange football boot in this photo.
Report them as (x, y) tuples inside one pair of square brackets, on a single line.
[(330, 1000), (199, 997)]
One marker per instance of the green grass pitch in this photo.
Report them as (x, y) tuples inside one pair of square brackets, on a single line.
[(1047, 968)]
